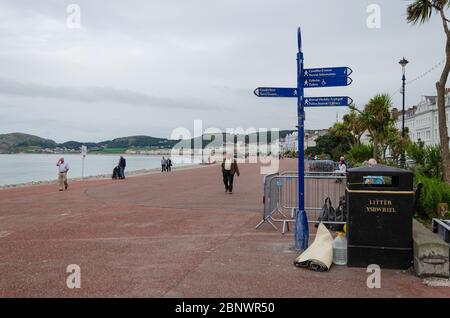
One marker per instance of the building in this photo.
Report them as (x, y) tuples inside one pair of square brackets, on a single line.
[(422, 119), (290, 142)]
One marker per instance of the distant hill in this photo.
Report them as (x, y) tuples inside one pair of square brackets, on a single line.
[(139, 142), (19, 142)]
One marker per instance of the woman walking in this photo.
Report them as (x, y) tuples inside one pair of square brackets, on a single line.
[(229, 168)]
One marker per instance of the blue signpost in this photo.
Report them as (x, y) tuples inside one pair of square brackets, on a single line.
[(308, 78), (301, 234)]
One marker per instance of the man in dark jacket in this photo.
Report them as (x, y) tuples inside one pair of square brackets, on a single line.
[(122, 165), (229, 168)]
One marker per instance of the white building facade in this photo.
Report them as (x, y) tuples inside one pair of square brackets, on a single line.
[(423, 120), (290, 142)]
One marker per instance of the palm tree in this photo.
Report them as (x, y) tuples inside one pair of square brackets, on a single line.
[(353, 121), (376, 118), (420, 11), (396, 142)]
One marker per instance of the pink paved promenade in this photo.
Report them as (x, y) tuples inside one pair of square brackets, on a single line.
[(165, 235)]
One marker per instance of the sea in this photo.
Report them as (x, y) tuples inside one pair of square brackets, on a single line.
[(26, 168)]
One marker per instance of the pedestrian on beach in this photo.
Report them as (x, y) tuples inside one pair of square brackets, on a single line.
[(169, 165), (63, 168), (229, 168), (163, 164), (122, 165)]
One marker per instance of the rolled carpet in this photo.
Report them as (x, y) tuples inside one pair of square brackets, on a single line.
[(319, 255)]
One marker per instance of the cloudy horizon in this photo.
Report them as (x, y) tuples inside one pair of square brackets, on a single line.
[(148, 67)]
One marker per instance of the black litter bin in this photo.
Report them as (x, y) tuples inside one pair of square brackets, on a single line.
[(380, 204)]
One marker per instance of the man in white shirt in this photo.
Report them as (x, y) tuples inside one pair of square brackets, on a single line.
[(63, 168)]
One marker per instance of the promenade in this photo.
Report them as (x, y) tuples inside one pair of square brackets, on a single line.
[(165, 235)]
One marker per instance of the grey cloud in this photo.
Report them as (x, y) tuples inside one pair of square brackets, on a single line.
[(177, 61), (95, 94)]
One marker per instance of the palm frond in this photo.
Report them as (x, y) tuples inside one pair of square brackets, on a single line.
[(420, 11)]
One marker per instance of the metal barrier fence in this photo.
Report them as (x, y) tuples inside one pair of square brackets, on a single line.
[(280, 196), (270, 199)]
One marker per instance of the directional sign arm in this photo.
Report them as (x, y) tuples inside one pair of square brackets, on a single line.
[(275, 92), (327, 72), (327, 101), (312, 82)]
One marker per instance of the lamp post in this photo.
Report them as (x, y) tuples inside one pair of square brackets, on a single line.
[(403, 62)]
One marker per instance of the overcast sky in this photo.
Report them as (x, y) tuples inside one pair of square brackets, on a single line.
[(148, 67)]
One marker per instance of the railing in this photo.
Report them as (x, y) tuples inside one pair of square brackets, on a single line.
[(281, 193)]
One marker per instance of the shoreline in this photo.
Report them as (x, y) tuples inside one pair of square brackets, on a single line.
[(130, 174)]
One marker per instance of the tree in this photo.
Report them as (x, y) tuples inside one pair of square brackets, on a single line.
[(335, 143), (420, 11), (359, 153), (356, 126), (427, 159), (396, 142), (376, 118), (343, 132)]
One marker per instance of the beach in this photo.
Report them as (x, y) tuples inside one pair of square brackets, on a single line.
[(165, 235)]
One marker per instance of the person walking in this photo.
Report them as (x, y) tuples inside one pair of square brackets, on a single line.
[(342, 165), (163, 164), (341, 169), (229, 169), (63, 168), (122, 165)]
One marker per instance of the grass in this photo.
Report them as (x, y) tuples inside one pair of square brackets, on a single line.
[(111, 151)]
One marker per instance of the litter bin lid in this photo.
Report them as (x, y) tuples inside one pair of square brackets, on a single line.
[(380, 177)]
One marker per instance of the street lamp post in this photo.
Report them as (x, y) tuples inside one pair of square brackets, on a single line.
[(403, 62)]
